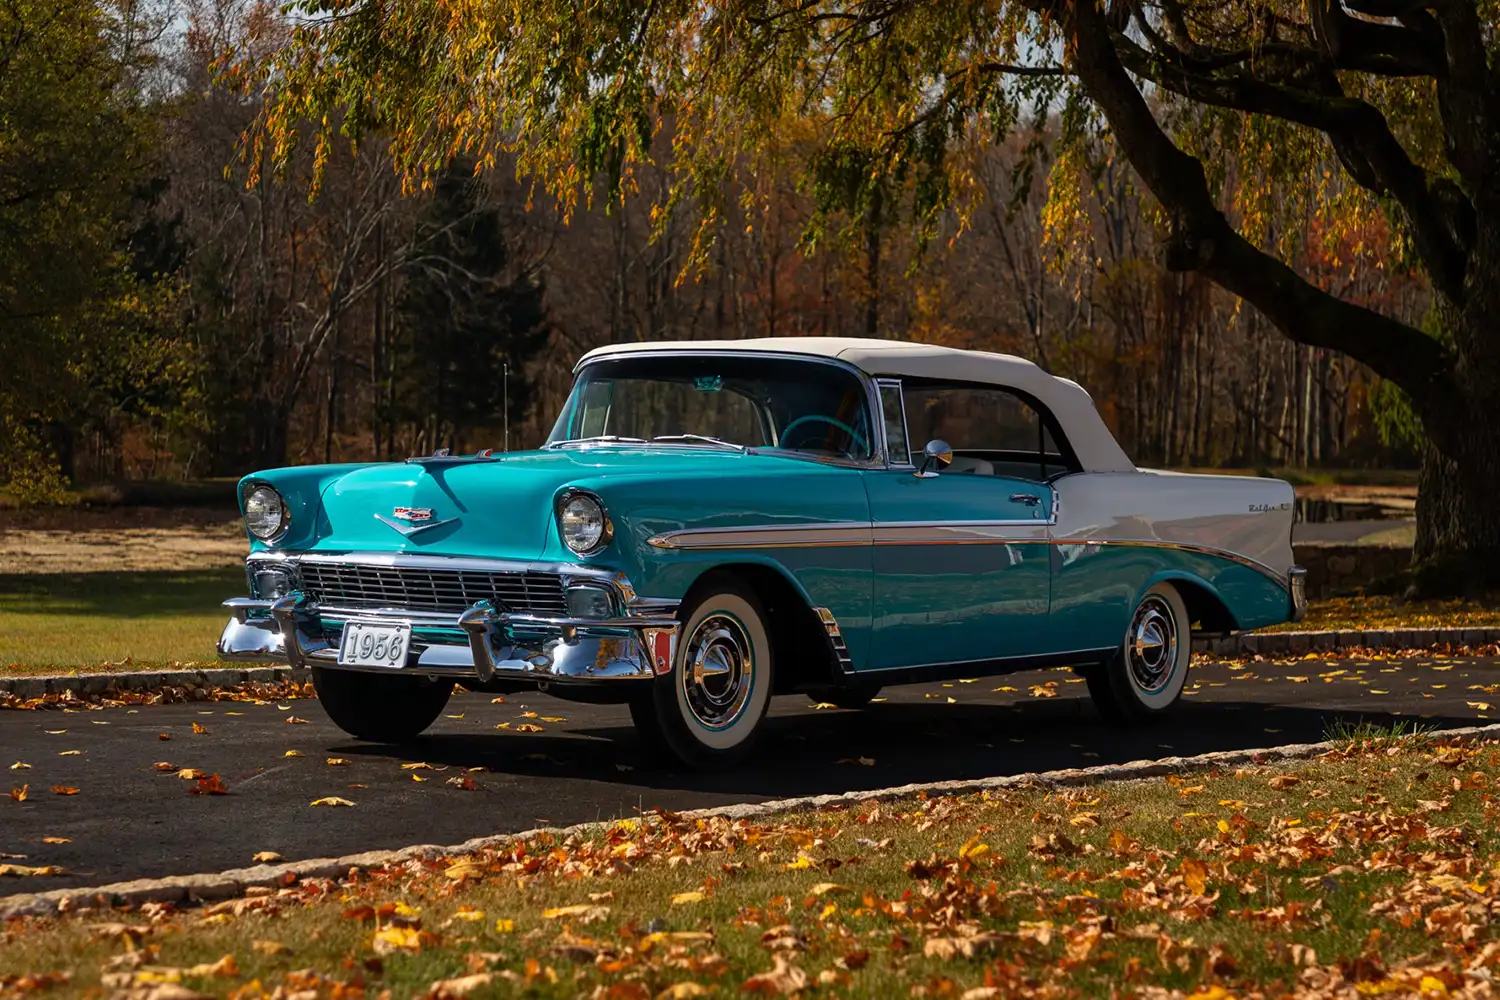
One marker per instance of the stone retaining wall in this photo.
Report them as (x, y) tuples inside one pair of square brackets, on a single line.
[(1333, 569)]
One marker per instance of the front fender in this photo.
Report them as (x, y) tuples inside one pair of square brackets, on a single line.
[(302, 488)]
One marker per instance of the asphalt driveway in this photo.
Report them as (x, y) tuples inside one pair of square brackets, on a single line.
[(129, 820)]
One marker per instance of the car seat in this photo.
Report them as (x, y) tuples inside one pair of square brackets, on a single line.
[(966, 466)]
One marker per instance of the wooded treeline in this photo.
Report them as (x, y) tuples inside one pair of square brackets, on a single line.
[(170, 308)]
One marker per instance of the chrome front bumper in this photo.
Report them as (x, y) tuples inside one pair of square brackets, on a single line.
[(484, 644)]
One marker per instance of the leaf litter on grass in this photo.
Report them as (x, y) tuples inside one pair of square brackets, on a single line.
[(256, 693), (1374, 872)]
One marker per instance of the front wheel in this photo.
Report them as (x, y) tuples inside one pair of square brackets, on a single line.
[(708, 711), (379, 708), (1146, 676)]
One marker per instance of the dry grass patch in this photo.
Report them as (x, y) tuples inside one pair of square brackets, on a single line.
[(1372, 871), (93, 545)]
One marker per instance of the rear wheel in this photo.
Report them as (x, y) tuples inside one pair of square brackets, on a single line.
[(379, 708), (1146, 676), (708, 710)]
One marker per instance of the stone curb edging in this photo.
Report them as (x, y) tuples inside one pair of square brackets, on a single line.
[(1244, 644), (208, 888), (85, 685), (1329, 640)]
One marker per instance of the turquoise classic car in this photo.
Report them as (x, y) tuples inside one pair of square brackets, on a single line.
[(711, 523)]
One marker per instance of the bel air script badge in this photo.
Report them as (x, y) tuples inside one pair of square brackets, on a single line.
[(416, 518)]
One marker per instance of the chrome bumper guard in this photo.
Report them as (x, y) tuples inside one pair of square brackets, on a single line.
[(501, 644), (1297, 581)]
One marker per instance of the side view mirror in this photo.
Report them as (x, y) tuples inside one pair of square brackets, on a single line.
[(936, 455)]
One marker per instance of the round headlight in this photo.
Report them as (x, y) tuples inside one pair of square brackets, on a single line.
[(265, 512), (584, 524)]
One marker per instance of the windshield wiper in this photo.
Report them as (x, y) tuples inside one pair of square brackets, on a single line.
[(599, 439), (703, 438)]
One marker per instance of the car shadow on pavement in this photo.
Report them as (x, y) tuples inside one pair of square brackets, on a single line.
[(894, 744)]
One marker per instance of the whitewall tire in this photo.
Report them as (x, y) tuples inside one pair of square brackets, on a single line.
[(708, 711), (1146, 677)]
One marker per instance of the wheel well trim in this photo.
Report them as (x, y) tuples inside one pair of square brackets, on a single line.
[(839, 663), (1203, 600)]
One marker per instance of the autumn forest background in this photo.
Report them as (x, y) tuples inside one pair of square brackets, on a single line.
[(173, 308)]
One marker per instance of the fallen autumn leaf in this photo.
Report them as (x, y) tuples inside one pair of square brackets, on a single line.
[(211, 785)]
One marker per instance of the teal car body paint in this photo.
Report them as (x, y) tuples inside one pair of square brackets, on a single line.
[(712, 522)]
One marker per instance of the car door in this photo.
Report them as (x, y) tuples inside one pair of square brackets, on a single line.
[(961, 561)]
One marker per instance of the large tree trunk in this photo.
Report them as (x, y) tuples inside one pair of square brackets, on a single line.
[(1458, 504), (1458, 513)]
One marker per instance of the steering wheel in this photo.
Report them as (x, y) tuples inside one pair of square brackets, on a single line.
[(855, 435)]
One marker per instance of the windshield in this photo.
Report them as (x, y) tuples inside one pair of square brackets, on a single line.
[(707, 400)]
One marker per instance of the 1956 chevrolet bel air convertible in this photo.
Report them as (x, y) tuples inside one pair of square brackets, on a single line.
[(713, 522)]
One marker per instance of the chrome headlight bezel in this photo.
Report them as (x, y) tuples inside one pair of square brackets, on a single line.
[(283, 516), (572, 505)]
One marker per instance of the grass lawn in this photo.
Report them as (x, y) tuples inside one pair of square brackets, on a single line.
[(60, 622), (1374, 871)]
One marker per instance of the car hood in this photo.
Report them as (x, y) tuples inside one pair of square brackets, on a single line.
[(501, 507)]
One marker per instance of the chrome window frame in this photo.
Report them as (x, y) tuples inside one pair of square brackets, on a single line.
[(1046, 419), (891, 461), (876, 417)]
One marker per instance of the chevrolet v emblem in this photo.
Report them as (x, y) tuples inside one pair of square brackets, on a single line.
[(417, 518)]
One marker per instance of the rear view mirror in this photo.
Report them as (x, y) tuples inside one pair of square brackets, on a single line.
[(937, 454)]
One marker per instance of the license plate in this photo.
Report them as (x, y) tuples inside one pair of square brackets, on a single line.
[(374, 644)]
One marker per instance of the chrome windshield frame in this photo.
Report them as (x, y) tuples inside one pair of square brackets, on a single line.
[(879, 451)]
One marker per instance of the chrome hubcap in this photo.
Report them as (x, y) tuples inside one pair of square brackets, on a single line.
[(718, 671), (1151, 646)]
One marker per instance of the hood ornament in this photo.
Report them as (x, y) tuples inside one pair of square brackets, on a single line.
[(416, 518), (443, 457)]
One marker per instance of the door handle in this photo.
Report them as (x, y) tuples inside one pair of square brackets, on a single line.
[(1029, 499)]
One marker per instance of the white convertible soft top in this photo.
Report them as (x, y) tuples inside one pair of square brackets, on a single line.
[(1092, 442)]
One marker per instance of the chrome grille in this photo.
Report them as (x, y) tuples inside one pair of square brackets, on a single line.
[(355, 585)]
